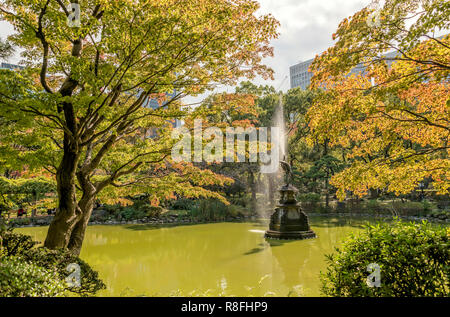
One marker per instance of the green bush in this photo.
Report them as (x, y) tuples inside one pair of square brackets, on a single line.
[(414, 260), (129, 213), (309, 198), (182, 204), (113, 210), (426, 205), (412, 208), (58, 261), (15, 243), (20, 221), (373, 206), (213, 209), (235, 211), (243, 201), (152, 211), (21, 246), (19, 278), (440, 214)]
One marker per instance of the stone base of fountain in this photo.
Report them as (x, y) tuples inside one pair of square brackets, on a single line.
[(289, 221)]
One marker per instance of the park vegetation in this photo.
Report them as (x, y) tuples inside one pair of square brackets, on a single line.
[(80, 109), (413, 261), (29, 270), (77, 130)]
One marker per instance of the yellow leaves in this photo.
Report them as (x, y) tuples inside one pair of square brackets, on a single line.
[(400, 177), (397, 132)]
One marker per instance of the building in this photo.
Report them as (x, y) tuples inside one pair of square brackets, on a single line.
[(299, 74), (10, 66), (301, 77)]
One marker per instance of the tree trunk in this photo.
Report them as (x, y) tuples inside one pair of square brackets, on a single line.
[(77, 236), (327, 179), (374, 193), (61, 227), (86, 205), (68, 213)]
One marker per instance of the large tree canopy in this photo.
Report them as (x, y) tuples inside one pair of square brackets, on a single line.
[(393, 119), (79, 108)]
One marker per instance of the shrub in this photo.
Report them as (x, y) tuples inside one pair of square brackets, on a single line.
[(235, 211), (213, 209), (55, 261), (240, 201), (373, 206), (15, 243), (152, 211), (113, 210), (440, 214), (20, 221), (414, 260), (22, 279), (411, 208), (182, 204), (311, 198), (130, 213), (58, 261), (426, 205)]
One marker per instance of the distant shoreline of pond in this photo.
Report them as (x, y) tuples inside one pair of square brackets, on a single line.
[(175, 221)]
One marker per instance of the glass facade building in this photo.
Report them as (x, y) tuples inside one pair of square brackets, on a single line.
[(301, 77)]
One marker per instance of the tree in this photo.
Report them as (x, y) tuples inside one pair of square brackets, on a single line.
[(313, 162), (79, 106), (5, 49), (267, 99), (393, 119), (31, 190), (235, 110)]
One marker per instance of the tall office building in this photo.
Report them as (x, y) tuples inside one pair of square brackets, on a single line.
[(299, 74), (301, 77)]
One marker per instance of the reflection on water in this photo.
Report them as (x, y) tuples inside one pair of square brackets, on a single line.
[(231, 259)]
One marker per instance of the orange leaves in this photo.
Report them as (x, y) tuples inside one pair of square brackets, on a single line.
[(396, 130)]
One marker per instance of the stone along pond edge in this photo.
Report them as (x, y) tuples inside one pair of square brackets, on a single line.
[(183, 220)]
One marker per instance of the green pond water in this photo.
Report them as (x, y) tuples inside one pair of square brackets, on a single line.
[(230, 259)]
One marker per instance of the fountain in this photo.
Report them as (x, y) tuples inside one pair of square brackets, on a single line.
[(289, 221)]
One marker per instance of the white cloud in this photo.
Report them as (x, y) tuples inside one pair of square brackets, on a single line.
[(306, 30)]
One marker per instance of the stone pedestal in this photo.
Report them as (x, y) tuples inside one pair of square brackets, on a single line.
[(289, 221)]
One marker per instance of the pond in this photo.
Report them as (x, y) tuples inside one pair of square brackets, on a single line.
[(229, 259)]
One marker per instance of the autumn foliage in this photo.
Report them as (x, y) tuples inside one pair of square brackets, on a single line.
[(392, 120)]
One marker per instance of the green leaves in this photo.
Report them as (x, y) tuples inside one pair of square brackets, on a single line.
[(96, 73), (22, 279), (414, 259)]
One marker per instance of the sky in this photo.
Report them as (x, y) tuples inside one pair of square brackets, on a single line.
[(305, 30)]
